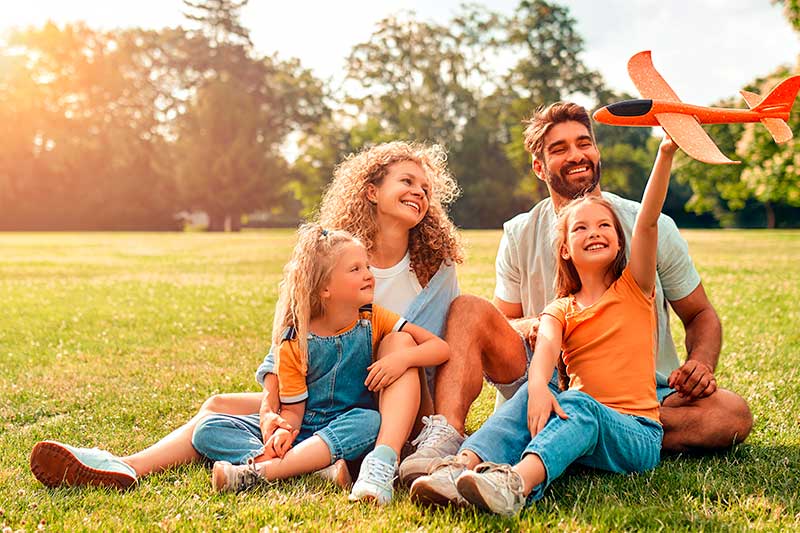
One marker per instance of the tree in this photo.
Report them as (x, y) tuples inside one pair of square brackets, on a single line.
[(90, 142), (240, 112)]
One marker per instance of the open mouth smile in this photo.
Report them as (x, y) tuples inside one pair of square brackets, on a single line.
[(595, 246), (412, 205)]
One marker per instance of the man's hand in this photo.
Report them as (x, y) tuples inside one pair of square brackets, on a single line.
[(527, 327), (279, 442), (385, 371), (541, 403), (693, 380)]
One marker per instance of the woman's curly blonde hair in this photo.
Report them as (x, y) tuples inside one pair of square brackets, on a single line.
[(345, 204)]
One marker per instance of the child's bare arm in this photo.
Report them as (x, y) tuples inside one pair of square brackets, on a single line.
[(429, 351), (644, 242), (541, 401)]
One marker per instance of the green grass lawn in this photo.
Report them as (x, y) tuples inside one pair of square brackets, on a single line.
[(114, 339)]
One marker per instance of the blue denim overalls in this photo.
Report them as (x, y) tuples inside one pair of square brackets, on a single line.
[(339, 407)]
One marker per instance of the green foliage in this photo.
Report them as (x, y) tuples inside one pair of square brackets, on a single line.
[(113, 340)]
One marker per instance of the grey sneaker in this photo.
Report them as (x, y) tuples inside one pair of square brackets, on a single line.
[(337, 473), (226, 477), (493, 487), (439, 487), (54, 464), (437, 440), (375, 480)]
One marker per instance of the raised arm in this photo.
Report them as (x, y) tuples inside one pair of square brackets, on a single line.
[(645, 231)]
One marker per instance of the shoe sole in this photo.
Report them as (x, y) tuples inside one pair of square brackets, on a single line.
[(424, 494), (54, 466), (219, 481), (469, 489)]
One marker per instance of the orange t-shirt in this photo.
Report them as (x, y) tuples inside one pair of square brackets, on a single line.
[(610, 347), (292, 371)]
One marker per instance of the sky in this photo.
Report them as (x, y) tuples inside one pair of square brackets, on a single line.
[(705, 49)]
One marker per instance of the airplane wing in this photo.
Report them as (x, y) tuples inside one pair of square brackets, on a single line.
[(692, 138), (647, 79)]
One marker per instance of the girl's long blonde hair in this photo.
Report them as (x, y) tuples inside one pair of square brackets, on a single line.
[(304, 276), (345, 205), (567, 279)]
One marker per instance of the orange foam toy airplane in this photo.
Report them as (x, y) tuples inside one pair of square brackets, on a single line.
[(682, 121)]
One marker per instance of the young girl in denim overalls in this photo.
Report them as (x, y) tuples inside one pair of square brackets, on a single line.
[(329, 335)]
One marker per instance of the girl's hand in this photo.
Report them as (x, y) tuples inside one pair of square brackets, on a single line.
[(541, 403), (280, 442), (385, 371), (667, 146), (270, 421)]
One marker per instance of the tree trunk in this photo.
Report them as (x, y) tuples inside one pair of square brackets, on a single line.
[(770, 215), (216, 221), (236, 221)]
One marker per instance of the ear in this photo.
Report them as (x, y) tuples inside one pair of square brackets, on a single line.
[(372, 193), (324, 294), (564, 253), (538, 167)]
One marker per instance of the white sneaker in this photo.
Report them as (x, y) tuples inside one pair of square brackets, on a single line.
[(375, 480), (439, 487), (337, 473), (54, 463), (226, 477), (437, 440), (493, 487)]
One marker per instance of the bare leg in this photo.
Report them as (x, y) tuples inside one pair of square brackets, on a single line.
[(715, 422), (176, 448), (531, 470), (480, 338), (308, 456), (400, 401), (425, 403)]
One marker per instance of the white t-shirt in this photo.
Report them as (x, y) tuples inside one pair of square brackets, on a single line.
[(396, 286), (525, 267)]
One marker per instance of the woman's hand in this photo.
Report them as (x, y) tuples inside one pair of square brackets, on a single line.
[(541, 403), (385, 371)]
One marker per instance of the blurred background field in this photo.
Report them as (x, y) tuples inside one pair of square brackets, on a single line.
[(114, 339)]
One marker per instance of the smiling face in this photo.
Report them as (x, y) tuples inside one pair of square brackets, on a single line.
[(351, 283), (570, 164), (592, 238), (402, 196)]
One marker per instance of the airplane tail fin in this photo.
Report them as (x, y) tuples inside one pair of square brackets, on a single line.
[(779, 100)]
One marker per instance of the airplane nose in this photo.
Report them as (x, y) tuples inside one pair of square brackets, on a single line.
[(602, 115)]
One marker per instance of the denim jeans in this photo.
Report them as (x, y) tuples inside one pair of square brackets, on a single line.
[(594, 435), (237, 438), (339, 407)]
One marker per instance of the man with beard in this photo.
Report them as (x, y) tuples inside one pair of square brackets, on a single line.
[(498, 337)]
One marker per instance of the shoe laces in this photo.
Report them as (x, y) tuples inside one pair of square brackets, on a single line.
[(502, 476), (379, 472), (245, 476), (433, 432), (452, 464)]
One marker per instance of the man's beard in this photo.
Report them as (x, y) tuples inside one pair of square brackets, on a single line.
[(561, 184)]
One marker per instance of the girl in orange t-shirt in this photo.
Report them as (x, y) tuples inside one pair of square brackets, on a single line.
[(604, 322)]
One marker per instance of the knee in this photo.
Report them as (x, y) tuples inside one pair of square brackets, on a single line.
[(213, 404), (578, 404), (471, 318), (397, 340), (736, 415)]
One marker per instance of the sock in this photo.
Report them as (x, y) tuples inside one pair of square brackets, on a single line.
[(385, 453)]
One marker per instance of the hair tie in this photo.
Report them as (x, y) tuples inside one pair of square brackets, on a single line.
[(324, 232)]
